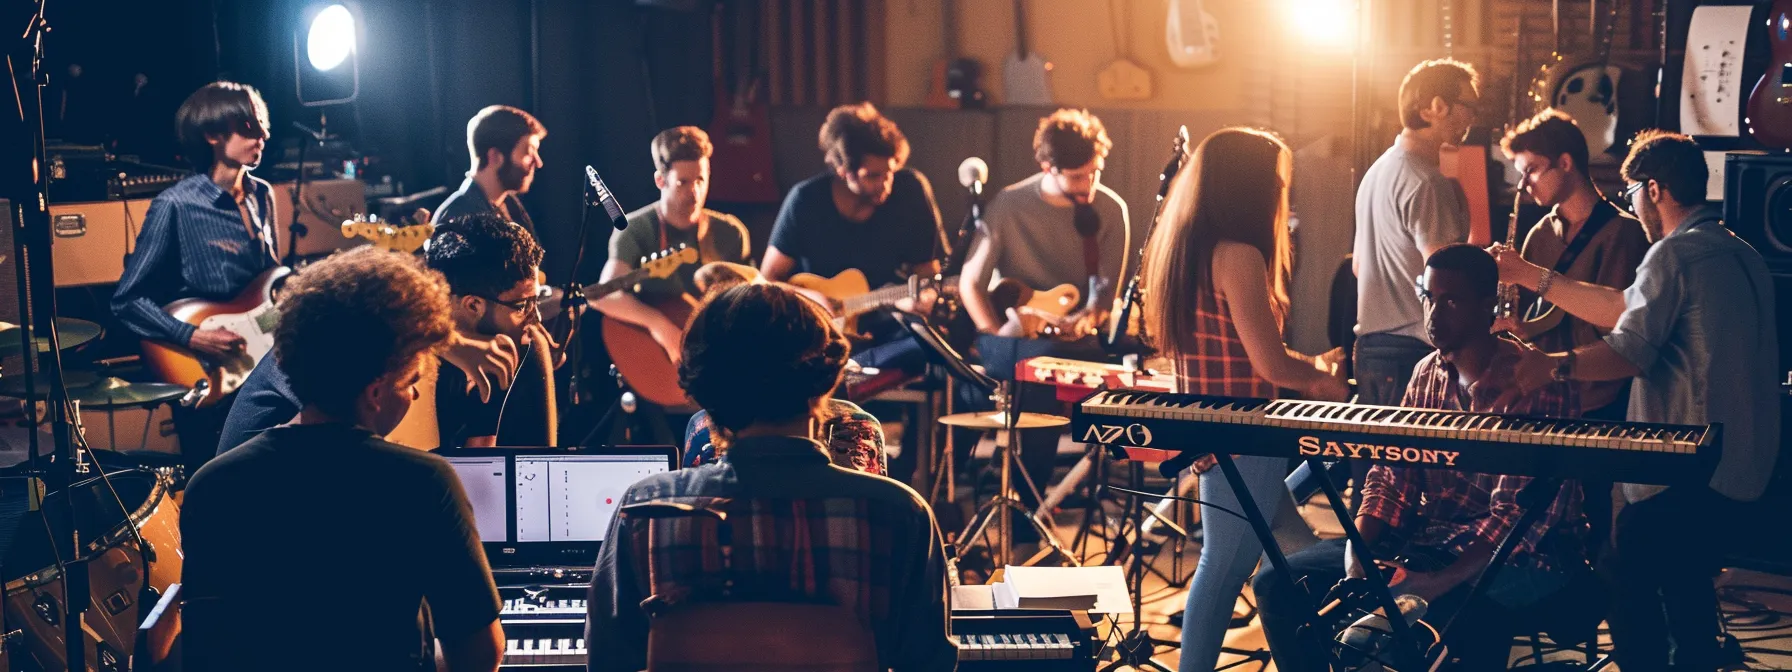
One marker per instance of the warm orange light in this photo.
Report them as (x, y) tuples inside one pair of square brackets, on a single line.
[(1322, 23)]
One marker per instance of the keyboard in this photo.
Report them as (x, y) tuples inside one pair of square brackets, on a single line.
[(1074, 378), (1628, 452), (1045, 640), (544, 627)]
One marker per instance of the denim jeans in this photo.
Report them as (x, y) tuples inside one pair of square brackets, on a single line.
[(1230, 550), (1669, 549), (1383, 365)]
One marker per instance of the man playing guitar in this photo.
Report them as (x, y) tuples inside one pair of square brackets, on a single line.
[(867, 213), (504, 144), (206, 237), (681, 171)]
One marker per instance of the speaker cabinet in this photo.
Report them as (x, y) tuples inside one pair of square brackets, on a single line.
[(1758, 205)]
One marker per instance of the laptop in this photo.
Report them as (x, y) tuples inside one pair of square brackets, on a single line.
[(550, 507)]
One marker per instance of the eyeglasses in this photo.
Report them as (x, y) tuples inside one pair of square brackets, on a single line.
[(1630, 193), (528, 304)]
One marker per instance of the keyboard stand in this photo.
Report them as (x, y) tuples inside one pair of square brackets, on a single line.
[(1533, 501)]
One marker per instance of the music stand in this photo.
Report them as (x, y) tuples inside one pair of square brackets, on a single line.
[(1011, 419)]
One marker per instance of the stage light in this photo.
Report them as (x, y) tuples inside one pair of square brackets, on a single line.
[(1322, 23), (331, 38), (326, 53)]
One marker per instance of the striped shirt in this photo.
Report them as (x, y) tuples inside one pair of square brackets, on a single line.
[(195, 243), (1448, 510), (798, 529)]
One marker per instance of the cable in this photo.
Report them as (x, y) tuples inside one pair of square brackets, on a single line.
[(1156, 495)]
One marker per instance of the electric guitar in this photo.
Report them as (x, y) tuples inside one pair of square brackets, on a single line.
[(659, 265), (386, 235), (1051, 313), (1770, 104), (250, 315), (956, 83), (852, 295)]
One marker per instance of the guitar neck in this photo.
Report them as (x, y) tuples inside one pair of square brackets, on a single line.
[(598, 290), (879, 298)]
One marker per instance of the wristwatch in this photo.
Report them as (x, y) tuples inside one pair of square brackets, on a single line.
[(1564, 369)]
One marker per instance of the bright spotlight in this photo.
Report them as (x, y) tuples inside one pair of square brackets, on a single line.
[(331, 38), (1322, 23)]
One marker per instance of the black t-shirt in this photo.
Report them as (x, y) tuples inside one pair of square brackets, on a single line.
[(460, 414), (315, 547), (905, 230)]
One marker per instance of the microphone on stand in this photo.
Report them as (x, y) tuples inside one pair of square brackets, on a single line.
[(972, 174), (597, 192)]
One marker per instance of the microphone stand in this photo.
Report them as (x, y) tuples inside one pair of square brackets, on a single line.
[(1129, 295), (295, 228), (961, 242), (573, 304), (37, 307)]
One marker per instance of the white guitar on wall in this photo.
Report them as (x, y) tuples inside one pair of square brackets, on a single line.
[(1192, 34)]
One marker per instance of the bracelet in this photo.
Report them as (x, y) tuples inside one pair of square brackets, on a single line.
[(1549, 275)]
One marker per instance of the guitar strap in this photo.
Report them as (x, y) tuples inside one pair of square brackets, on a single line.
[(1602, 213), (1088, 226)]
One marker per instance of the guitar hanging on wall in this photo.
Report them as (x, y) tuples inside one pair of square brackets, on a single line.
[(1770, 104), (1026, 74), (957, 82)]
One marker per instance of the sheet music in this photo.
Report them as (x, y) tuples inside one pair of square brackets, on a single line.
[(1711, 88)]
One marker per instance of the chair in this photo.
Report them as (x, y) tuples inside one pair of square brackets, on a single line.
[(703, 629)]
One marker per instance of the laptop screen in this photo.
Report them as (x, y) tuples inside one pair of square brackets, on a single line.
[(546, 506)]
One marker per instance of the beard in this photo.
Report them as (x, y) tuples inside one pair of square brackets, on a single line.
[(513, 177), (1651, 218)]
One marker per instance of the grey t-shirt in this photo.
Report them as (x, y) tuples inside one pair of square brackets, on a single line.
[(1036, 242), (1404, 205), (1699, 325)]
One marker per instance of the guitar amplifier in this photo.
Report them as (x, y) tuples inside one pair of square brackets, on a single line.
[(88, 241), (327, 204)]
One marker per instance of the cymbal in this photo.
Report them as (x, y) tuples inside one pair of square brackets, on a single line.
[(999, 421), (115, 393), (95, 392), (73, 333)]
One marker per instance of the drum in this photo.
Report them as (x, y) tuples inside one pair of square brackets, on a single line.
[(115, 569)]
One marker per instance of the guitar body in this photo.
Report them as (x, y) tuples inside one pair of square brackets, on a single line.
[(1770, 104), (1191, 34), (1055, 302), (251, 315), (849, 283), (641, 360)]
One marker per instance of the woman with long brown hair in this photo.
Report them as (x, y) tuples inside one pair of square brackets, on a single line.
[(1216, 294)]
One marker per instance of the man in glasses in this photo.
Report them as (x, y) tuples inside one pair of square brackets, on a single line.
[(206, 237), (1696, 331), (490, 265), (1583, 238)]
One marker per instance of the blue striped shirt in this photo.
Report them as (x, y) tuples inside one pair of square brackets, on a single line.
[(194, 244)]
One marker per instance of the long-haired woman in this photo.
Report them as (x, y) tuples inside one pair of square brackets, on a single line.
[(1216, 294)]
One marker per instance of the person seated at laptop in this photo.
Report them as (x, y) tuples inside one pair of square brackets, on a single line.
[(761, 359), (269, 526), (1449, 521)]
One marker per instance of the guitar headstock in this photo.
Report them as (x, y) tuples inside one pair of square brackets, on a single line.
[(401, 237), (664, 263)]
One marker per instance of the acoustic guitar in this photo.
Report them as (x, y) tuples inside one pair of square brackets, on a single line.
[(1770, 104), (639, 359)]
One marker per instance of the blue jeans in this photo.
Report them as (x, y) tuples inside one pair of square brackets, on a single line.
[(1230, 551), (1383, 366)]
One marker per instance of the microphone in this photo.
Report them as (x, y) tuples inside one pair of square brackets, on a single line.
[(1366, 638), (598, 192), (972, 173)]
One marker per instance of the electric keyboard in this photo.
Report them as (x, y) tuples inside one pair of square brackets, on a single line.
[(1074, 378), (544, 626), (1628, 452), (1024, 639)]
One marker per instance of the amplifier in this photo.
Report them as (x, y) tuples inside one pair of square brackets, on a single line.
[(327, 204), (89, 240)]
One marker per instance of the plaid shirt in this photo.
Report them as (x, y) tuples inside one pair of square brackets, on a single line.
[(798, 529), (855, 439), (1218, 364), (1454, 509)]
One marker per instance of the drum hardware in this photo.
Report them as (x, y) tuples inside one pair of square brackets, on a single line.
[(1001, 508)]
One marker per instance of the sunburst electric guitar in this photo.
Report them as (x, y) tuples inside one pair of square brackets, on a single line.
[(251, 314)]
